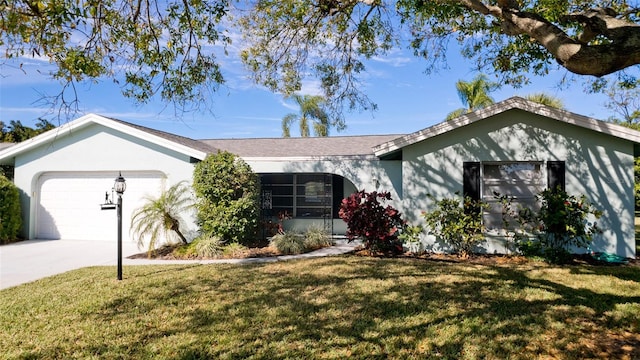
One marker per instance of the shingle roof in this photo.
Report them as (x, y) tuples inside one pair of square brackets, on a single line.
[(301, 147), (340, 146), (194, 144)]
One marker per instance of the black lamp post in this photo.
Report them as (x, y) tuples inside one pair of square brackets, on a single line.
[(119, 187)]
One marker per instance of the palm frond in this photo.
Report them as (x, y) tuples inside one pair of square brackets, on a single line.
[(312, 114), (287, 120), (160, 218), (455, 113), (546, 99), (474, 94)]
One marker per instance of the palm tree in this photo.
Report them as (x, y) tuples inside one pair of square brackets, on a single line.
[(311, 110), (473, 94), (161, 217), (545, 99)]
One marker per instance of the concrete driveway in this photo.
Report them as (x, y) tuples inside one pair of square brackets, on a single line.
[(30, 260)]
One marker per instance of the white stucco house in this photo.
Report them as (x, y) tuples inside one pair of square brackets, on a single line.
[(516, 146)]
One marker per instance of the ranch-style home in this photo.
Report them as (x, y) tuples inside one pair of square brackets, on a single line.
[(515, 147)]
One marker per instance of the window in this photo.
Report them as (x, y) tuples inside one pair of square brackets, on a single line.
[(521, 181), (300, 195)]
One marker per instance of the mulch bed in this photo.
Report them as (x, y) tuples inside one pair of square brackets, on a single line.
[(261, 249), (257, 249)]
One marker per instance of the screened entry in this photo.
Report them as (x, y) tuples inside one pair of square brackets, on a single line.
[(304, 198)]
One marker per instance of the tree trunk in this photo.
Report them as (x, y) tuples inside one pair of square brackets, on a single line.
[(175, 226)]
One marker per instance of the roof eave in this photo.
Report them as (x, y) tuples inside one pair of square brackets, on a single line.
[(509, 104), (155, 139), (308, 158), (93, 118)]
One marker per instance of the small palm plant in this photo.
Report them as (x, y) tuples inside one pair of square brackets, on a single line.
[(161, 217)]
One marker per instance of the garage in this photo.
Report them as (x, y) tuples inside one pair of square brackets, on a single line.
[(63, 175), (69, 203)]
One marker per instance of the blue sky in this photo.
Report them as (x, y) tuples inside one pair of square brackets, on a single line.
[(408, 100)]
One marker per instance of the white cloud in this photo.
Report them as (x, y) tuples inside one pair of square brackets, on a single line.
[(259, 118), (311, 87), (23, 110), (395, 61), (288, 105)]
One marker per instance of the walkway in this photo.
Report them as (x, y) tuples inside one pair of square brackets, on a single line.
[(31, 260)]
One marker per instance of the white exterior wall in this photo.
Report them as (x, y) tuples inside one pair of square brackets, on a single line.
[(367, 174), (94, 148), (597, 165)]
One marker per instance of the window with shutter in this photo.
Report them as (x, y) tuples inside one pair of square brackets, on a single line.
[(555, 175), (520, 181), (471, 180)]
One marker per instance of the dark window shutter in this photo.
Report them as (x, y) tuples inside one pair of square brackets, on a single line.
[(555, 175), (471, 180), (338, 194)]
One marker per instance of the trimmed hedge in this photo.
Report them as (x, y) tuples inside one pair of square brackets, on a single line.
[(10, 213), (227, 192)]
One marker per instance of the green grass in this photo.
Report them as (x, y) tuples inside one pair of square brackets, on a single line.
[(327, 308)]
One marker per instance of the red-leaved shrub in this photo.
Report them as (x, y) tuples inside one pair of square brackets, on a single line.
[(367, 218)]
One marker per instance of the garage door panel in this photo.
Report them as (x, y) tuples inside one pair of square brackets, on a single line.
[(46, 228), (69, 204)]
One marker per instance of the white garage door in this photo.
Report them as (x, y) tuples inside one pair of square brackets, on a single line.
[(69, 204)]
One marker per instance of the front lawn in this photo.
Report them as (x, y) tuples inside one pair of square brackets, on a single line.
[(328, 308)]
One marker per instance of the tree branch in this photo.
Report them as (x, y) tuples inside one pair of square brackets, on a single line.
[(575, 54)]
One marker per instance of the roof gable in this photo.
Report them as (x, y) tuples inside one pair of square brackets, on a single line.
[(176, 143), (615, 130)]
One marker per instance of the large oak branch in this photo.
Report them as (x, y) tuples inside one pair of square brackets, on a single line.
[(620, 50)]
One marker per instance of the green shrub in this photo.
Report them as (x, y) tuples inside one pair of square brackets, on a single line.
[(317, 238), (7, 171), (10, 211), (234, 250), (411, 233), (562, 222), (227, 192), (410, 237), (288, 243), (565, 220), (457, 222), (185, 251), (209, 247)]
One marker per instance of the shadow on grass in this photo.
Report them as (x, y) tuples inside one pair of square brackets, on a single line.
[(356, 307), (637, 238), (622, 272)]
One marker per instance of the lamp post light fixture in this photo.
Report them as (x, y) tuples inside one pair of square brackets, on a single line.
[(119, 187)]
